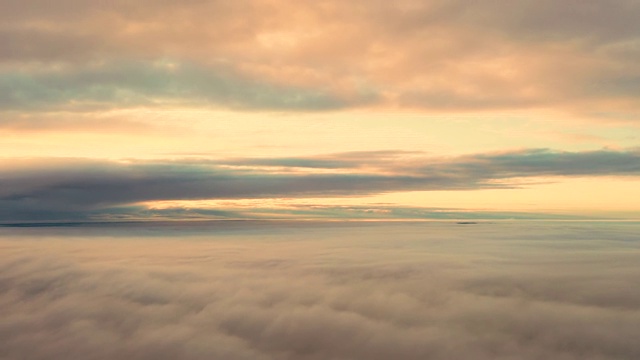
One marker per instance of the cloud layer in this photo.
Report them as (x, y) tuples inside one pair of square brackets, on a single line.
[(64, 189), (421, 291), (288, 55)]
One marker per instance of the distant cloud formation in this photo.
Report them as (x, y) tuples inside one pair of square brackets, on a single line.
[(336, 292), (72, 188), (289, 55)]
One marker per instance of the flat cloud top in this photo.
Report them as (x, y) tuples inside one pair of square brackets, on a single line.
[(421, 291)]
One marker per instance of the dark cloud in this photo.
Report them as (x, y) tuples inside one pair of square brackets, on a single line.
[(87, 184), (410, 291), (286, 211), (38, 189), (543, 162)]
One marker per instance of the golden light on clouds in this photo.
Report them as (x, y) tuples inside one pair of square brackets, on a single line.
[(297, 88)]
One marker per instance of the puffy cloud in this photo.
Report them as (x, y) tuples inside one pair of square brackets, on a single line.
[(435, 291)]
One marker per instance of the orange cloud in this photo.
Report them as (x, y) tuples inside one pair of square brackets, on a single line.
[(434, 55)]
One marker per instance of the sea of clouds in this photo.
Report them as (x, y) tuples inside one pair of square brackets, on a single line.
[(502, 290)]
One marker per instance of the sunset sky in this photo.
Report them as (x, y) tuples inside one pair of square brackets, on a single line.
[(276, 109)]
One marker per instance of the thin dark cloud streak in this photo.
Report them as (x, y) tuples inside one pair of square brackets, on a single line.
[(507, 164)]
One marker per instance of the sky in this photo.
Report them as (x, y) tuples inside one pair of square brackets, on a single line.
[(278, 109)]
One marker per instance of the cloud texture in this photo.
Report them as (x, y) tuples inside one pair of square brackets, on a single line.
[(421, 291), (287, 55)]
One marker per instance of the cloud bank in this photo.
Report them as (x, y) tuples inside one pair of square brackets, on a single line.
[(67, 189), (428, 291)]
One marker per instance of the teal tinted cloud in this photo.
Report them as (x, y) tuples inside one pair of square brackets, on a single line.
[(158, 83)]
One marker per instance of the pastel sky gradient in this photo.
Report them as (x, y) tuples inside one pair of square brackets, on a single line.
[(274, 109)]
